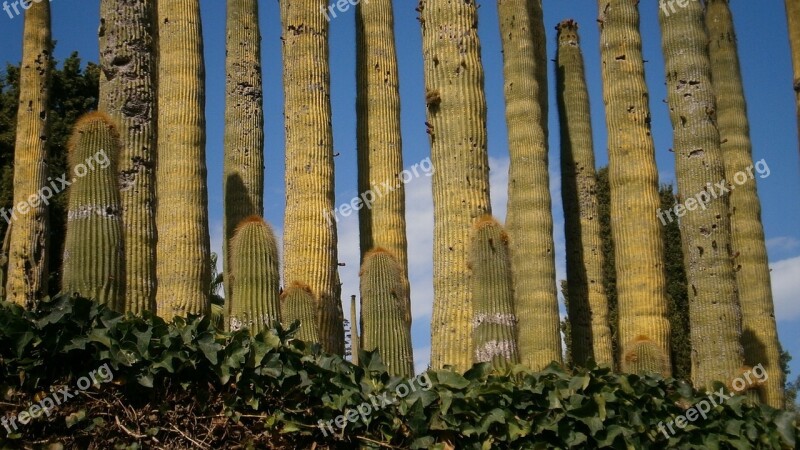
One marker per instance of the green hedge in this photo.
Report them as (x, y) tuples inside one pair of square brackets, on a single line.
[(187, 385)]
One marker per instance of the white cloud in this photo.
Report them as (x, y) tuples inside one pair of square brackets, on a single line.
[(422, 358), (782, 243), (785, 287)]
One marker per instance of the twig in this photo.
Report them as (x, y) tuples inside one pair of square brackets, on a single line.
[(127, 431), (187, 437), (376, 442)]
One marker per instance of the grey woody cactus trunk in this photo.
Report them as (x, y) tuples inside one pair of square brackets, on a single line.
[(94, 254), (380, 148), (793, 17), (633, 179), (529, 220), (27, 258), (457, 128), (588, 305), (183, 254), (309, 229), (128, 94), (494, 322), (383, 306), (759, 330), (705, 227), (243, 171)]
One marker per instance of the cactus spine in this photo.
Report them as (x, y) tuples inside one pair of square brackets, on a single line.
[(633, 178), (383, 300), (127, 93), (645, 356), (309, 229), (713, 302), (298, 304), (181, 216), (380, 156), (588, 304), (529, 220), (254, 276), (94, 255), (494, 321), (793, 17), (27, 258), (243, 182), (457, 117)]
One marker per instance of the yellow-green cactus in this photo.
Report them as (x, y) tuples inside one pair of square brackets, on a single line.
[(642, 356), (243, 169), (183, 252), (309, 244), (298, 304), (633, 179), (759, 330), (128, 94), (793, 16), (383, 300), (94, 254), (27, 258), (588, 304), (254, 276), (457, 127), (382, 221), (494, 332), (355, 342), (529, 220), (714, 312)]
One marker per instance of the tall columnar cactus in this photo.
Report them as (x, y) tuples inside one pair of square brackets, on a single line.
[(383, 299), (529, 220), (645, 356), (494, 322), (457, 127), (759, 330), (633, 178), (94, 253), (243, 171), (355, 340), (380, 148), (254, 276), (128, 94), (588, 304), (183, 249), (298, 304), (309, 244), (27, 258), (793, 16), (716, 322)]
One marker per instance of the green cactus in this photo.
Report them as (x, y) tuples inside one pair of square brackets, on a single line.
[(128, 94), (494, 321), (793, 17), (26, 278), (761, 345), (714, 310), (383, 300), (298, 304), (642, 356), (183, 249), (355, 343), (456, 116), (642, 299), (94, 254), (254, 275)]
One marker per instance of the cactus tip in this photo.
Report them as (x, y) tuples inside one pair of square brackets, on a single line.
[(87, 120), (294, 286)]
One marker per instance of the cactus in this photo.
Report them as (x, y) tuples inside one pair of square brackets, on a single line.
[(26, 278), (633, 178), (309, 231), (298, 304), (793, 17), (588, 304), (94, 254), (254, 276), (243, 182), (706, 232), (529, 219), (380, 156), (761, 345), (183, 249), (494, 321), (383, 300), (642, 356), (355, 343), (127, 93), (456, 116)]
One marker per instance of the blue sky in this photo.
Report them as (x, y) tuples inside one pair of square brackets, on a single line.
[(764, 51)]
